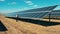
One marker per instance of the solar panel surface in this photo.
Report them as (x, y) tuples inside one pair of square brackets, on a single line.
[(34, 13)]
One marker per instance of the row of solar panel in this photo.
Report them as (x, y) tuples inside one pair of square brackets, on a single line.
[(40, 15), (34, 13), (31, 15), (40, 9)]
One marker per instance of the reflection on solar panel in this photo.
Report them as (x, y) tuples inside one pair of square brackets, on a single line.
[(33, 13)]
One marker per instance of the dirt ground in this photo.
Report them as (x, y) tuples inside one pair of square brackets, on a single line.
[(21, 27)]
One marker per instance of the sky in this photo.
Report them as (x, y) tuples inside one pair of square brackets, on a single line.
[(9, 6)]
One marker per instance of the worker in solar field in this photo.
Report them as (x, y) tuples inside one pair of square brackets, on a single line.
[(17, 17)]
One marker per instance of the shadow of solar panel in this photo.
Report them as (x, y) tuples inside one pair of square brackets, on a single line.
[(2, 27), (39, 22)]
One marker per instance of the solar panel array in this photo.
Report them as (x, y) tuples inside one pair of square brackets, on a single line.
[(34, 13)]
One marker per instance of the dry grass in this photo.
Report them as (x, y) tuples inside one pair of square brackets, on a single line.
[(27, 28)]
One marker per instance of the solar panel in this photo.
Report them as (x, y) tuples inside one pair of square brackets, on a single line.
[(39, 9), (34, 13), (54, 13), (29, 15)]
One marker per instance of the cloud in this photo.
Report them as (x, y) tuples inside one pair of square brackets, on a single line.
[(2, 0), (29, 2), (35, 5), (12, 3)]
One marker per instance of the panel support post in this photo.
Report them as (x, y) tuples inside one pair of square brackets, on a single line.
[(49, 17)]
